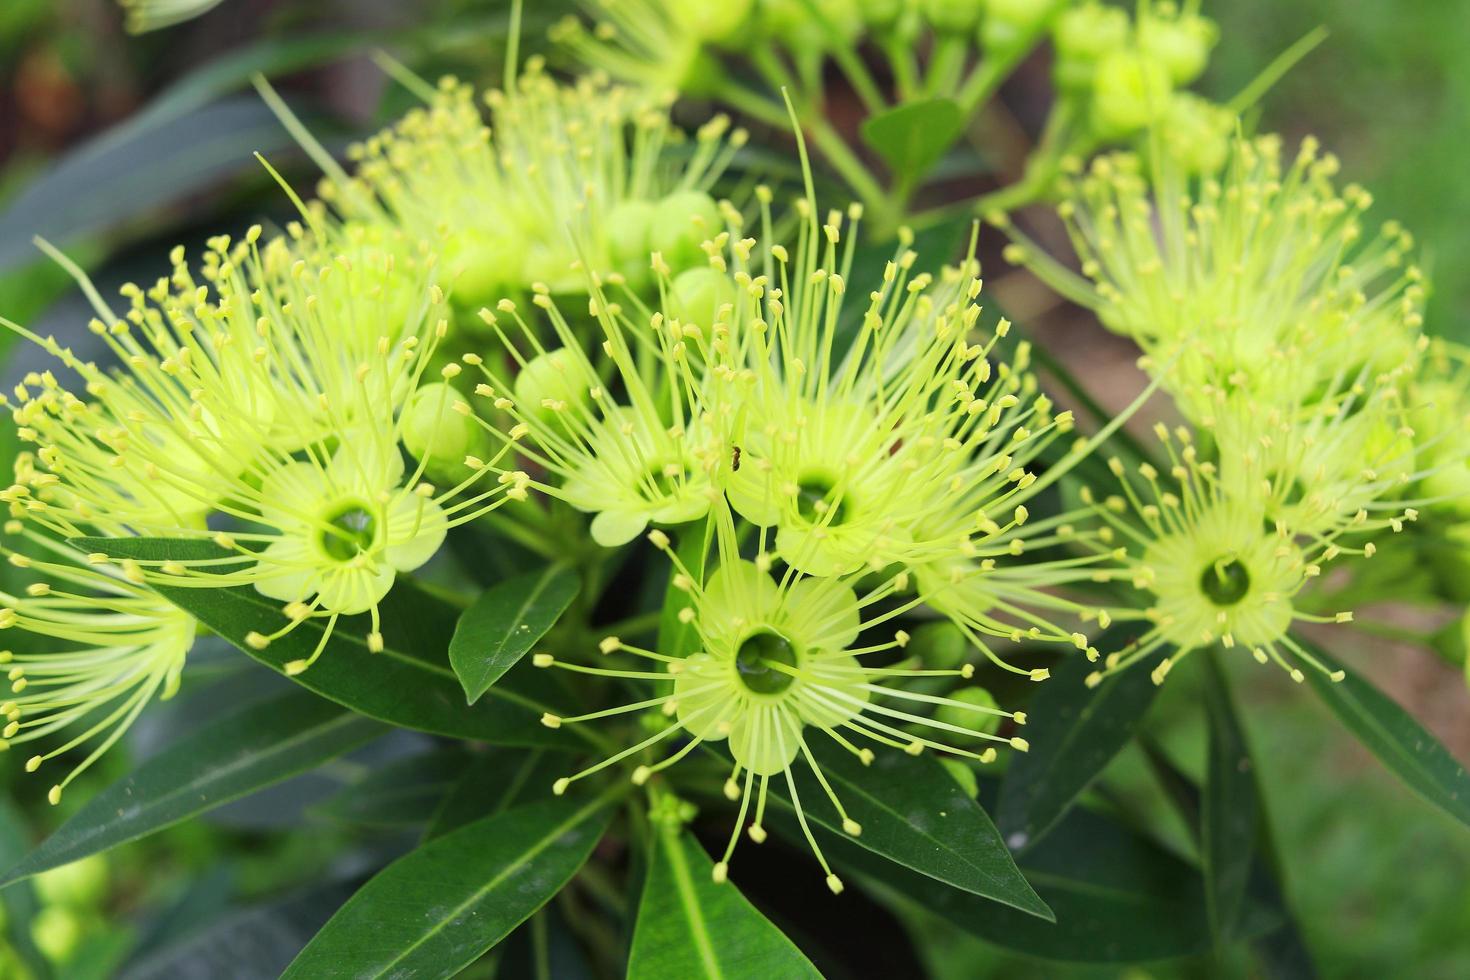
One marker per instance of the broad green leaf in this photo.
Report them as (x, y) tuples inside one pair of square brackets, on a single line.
[(912, 812), (409, 683), (1074, 732), (689, 926), (405, 792), (1229, 812), (438, 908), (912, 137), (505, 622), (18, 904), (237, 755), (1390, 733), (1117, 897), (676, 638), (495, 782)]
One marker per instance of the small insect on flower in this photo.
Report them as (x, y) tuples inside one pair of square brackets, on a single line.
[(85, 647), (779, 659), (1217, 565)]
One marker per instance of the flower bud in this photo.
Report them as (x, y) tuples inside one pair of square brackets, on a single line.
[(433, 431), (975, 721), (699, 294), (715, 22), (482, 263), (556, 378), (962, 774), (1196, 133), (952, 16), (627, 226), (1181, 44), (57, 932), (81, 884), (1081, 36), (681, 223), (1130, 91), (791, 22), (1010, 25), (939, 644), (880, 13)]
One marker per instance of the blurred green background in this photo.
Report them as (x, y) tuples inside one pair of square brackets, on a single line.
[(100, 141)]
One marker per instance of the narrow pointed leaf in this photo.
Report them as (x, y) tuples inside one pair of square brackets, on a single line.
[(690, 927), (409, 683), (1229, 813), (1074, 732), (254, 748), (505, 622), (913, 812), (1399, 742), (439, 908), (912, 137), (405, 792), (495, 782)]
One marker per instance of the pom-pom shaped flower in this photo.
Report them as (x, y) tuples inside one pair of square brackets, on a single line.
[(85, 647), (1258, 279), (781, 657)]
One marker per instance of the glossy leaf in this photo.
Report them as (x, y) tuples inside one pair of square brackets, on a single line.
[(438, 908), (505, 622), (689, 926), (911, 138), (257, 747), (1229, 812), (409, 683), (405, 792), (1399, 742), (495, 782), (913, 812), (1074, 732), (1117, 897)]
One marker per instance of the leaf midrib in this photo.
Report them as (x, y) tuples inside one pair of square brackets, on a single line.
[(674, 848)]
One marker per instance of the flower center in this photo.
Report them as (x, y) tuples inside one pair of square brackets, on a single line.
[(1225, 581), (350, 530), (811, 501), (759, 658), (663, 479)]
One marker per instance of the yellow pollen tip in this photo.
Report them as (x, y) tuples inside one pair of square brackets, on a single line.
[(542, 660), (640, 775), (550, 720), (851, 826), (1040, 674), (375, 642), (610, 644), (1020, 744), (834, 883), (1019, 717), (257, 641), (54, 795), (720, 873), (757, 833), (559, 787), (33, 763), (294, 667)]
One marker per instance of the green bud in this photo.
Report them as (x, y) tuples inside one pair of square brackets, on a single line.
[(792, 23), (1181, 44), (483, 265), (1196, 133), (627, 226), (716, 22), (1130, 91), (939, 644), (962, 774), (681, 223), (699, 293), (433, 432), (1010, 25), (557, 377), (56, 932), (975, 721), (952, 16), (1081, 36), (81, 884), (880, 13)]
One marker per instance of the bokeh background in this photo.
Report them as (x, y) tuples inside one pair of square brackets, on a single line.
[(118, 147)]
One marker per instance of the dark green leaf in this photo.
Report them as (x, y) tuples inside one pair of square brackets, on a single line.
[(495, 782), (1074, 732), (913, 812), (245, 752), (505, 622), (1117, 897), (1400, 742), (409, 683), (438, 908), (912, 137), (1229, 812), (689, 926), (18, 904), (406, 792), (675, 638)]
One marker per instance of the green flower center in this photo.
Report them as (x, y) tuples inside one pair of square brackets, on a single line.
[(350, 530), (1225, 582), (759, 658), (811, 501)]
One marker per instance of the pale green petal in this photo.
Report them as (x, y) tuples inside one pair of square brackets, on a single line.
[(823, 613), (831, 691), (707, 696), (289, 570), (612, 528), (350, 589), (765, 738), (292, 494), (416, 529)]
